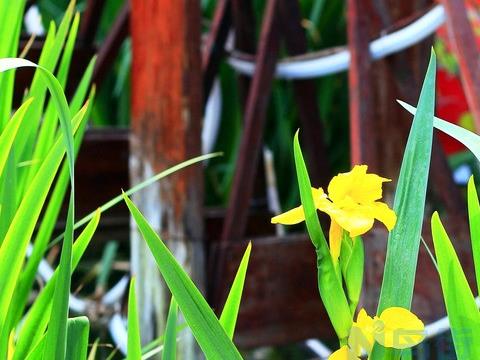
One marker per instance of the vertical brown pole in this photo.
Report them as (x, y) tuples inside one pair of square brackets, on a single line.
[(256, 107), (166, 120), (311, 131), (362, 126)]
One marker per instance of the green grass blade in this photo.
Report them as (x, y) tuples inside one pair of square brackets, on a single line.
[(170, 345), (474, 221), (37, 351), (353, 272), (23, 224), (77, 340), (228, 318), (329, 285), (466, 137), (83, 87), (93, 352), (56, 344), (10, 132), (15, 239), (48, 61), (10, 28), (47, 226), (9, 174), (37, 317), (134, 346), (8, 201), (47, 131), (206, 328), (108, 258), (409, 204), (462, 311), (56, 338)]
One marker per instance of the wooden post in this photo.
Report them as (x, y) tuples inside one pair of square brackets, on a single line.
[(363, 145), (166, 121)]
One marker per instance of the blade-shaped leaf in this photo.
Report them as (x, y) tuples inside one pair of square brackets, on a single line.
[(77, 340), (10, 132), (46, 228), (206, 328), (229, 315), (404, 239), (329, 285), (170, 345), (23, 224), (462, 311), (474, 220), (134, 346), (37, 317), (466, 137)]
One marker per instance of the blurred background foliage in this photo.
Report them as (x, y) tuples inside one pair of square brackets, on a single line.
[(324, 23)]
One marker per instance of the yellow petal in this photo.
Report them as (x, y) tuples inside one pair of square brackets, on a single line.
[(319, 197), (335, 239), (363, 188), (399, 329), (290, 217), (353, 218), (297, 215), (363, 320), (382, 213), (343, 354), (361, 333)]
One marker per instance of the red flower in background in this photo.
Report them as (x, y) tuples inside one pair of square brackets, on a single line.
[(451, 102)]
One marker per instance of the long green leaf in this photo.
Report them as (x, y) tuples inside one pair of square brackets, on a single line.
[(47, 131), (329, 285), (134, 346), (474, 220), (37, 317), (46, 228), (206, 328), (404, 239), (21, 229), (10, 132), (77, 340), (10, 28), (462, 311), (228, 318), (466, 137), (170, 345), (47, 62)]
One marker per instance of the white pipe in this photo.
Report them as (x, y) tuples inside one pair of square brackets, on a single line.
[(118, 332), (340, 61), (76, 304), (211, 120), (115, 294)]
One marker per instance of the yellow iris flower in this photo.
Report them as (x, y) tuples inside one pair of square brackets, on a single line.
[(351, 204), (344, 353), (396, 328)]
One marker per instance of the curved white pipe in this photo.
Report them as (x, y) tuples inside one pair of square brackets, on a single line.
[(340, 61)]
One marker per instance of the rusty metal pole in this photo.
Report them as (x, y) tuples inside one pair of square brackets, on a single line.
[(362, 124), (166, 122)]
